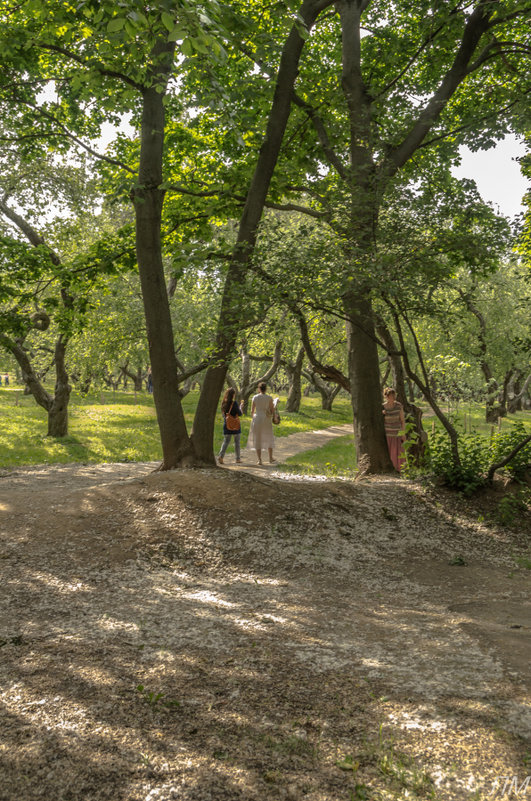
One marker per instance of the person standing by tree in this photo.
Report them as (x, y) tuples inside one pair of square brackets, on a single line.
[(262, 411), (231, 424), (395, 424)]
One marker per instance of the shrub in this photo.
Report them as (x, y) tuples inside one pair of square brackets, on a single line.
[(474, 452), (503, 444)]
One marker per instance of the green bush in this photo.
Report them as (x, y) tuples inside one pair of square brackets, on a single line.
[(474, 452), (504, 443)]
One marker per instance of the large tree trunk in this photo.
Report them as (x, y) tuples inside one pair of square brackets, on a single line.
[(233, 299), (148, 200), (369, 432)]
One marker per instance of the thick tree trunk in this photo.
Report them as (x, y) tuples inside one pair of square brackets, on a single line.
[(233, 299), (294, 371), (148, 200), (369, 433)]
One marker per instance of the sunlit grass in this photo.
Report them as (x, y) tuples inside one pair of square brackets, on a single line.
[(473, 415), (335, 459), (120, 426)]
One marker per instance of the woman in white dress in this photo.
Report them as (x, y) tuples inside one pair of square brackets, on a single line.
[(262, 426)]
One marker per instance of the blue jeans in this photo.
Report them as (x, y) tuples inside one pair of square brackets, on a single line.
[(226, 441)]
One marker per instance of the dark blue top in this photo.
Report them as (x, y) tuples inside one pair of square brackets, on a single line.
[(234, 411)]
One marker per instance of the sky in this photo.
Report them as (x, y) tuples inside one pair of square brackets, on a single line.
[(497, 174)]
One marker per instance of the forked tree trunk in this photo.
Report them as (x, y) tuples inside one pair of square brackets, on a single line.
[(56, 406), (326, 391)]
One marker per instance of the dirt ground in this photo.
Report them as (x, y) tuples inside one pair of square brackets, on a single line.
[(227, 636)]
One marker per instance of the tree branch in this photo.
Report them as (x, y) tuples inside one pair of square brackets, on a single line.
[(476, 26), (99, 67), (322, 135)]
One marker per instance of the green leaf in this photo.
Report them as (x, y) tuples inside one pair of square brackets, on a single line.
[(116, 24), (168, 21), (187, 48)]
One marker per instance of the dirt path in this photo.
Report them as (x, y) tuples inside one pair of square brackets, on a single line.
[(224, 636)]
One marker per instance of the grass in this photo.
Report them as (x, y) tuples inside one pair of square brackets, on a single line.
[(336, 458), (119, 426), (475, 420)]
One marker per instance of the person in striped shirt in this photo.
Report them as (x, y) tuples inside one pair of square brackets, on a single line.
[(395, 424)]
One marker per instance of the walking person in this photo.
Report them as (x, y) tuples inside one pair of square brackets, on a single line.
[(231, 425), (395, 424), (262, 411)]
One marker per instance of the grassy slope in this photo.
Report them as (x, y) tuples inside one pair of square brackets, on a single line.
[(112, 427)]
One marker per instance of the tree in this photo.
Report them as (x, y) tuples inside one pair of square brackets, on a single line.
[(416, 86), (89, 51), (46, 280)]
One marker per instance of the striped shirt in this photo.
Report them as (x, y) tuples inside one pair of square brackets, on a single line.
[(392, 420)]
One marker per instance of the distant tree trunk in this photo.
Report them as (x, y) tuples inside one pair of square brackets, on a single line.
[(137, 378), (327, 391), (56, 406), (58, 411), (515, 403), (294, 371)]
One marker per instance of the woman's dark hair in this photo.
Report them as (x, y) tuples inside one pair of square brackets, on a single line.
[(228, 399), (262, 386)]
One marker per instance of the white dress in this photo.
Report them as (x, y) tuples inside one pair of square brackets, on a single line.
[(261, 434)]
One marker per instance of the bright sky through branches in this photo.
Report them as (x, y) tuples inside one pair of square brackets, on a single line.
[(497, 174)]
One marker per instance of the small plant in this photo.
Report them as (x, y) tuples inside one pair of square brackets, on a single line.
[(509, 507), (458, 561), (153, 698)]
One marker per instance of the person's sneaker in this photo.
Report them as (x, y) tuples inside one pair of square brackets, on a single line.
[(220, 459), (239, 461)]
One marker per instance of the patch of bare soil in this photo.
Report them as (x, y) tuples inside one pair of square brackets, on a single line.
[(216, 636)]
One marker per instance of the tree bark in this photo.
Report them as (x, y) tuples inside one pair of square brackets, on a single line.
[(369, 432), (294, 371), (148, 200), (58, 411), (233, 299)]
